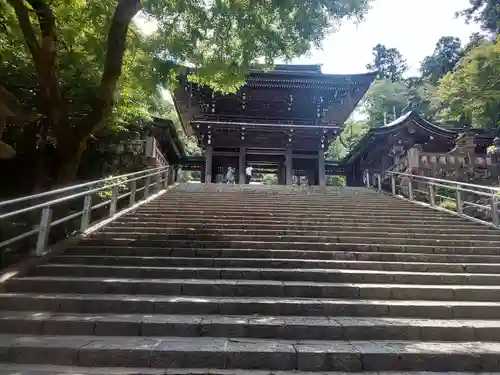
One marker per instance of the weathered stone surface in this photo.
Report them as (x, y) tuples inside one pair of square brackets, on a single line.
[(253, 280)]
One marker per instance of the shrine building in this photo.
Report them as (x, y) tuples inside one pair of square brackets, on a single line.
[(280, 121)]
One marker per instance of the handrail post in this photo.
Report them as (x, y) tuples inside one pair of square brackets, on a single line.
[(393, 184), (87, 208), (410, 188), (494, 210), (379, 183), (114, 198), (460, 202), (133, 189), (158, 181), (432, 195), (367, 179), (43, 234), (165, 177), (146, 186)]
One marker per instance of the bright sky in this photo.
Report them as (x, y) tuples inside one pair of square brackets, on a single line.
[(411, 26)]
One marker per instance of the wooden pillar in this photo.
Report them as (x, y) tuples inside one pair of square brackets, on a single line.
[(208, 164), (321, 168), (171, 174), (241, 165), (311, 175), (289, 165)]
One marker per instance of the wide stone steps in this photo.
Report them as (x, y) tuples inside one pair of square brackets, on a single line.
[(278, 327), (172, 226), (246, 353), (341, 242), (272, 274), (401, 254), (256, 288), (335, 251), (298, 213), (157, 304), (237, 279), (201, 232), (295, 264), (13, 369)]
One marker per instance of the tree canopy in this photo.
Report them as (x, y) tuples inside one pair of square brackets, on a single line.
[(84, 67), (473, 89), (447, 54), (388, 62), (484, 12)]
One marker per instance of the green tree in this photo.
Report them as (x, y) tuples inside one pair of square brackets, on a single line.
[(473, 89), (388, 62), (447, 54), (484, 12), (351, 134), (385, 101), (65, 43)]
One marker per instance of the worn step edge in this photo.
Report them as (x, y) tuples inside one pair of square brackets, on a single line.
[(334, 232), (147, 304), (263, 326), (265, 263), (340, 227), (251, 273), (244, 353), (15, 369), (346, 243), (405, 251), (254, 288)]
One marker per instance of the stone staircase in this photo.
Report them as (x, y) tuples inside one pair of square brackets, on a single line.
[(219, 279)]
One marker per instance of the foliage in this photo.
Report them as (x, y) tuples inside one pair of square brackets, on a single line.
[(87, 69), (385, 101), (446, 55), (484, 12), (339, 181), (448, 204), (388, 62), (474, 88), (269, 179), (110, 182), (350, 136)]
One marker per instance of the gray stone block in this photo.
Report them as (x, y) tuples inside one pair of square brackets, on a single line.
[(327, 356), (174, 353), (117, 352), (259, 354)]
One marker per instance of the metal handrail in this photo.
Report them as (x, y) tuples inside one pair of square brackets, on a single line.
[(155, 177), (491, 188), (462, 190), (74, 187)]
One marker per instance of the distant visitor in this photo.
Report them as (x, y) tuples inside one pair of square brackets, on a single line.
[(248, 174)]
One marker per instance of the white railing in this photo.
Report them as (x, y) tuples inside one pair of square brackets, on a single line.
[(474, 202), (110, 192)]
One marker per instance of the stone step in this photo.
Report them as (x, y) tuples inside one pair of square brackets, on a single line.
[(300, 264), (253, 288), (297, 242), (273, 206), (278, 327), (148, 304), (403, 254), (247, 353), (281, 274), (287, 213), (201, 231), (132, 226), (15, 369), (307, 221)]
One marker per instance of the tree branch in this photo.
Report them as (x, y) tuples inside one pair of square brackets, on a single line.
[(23, 17), (117, 38)]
